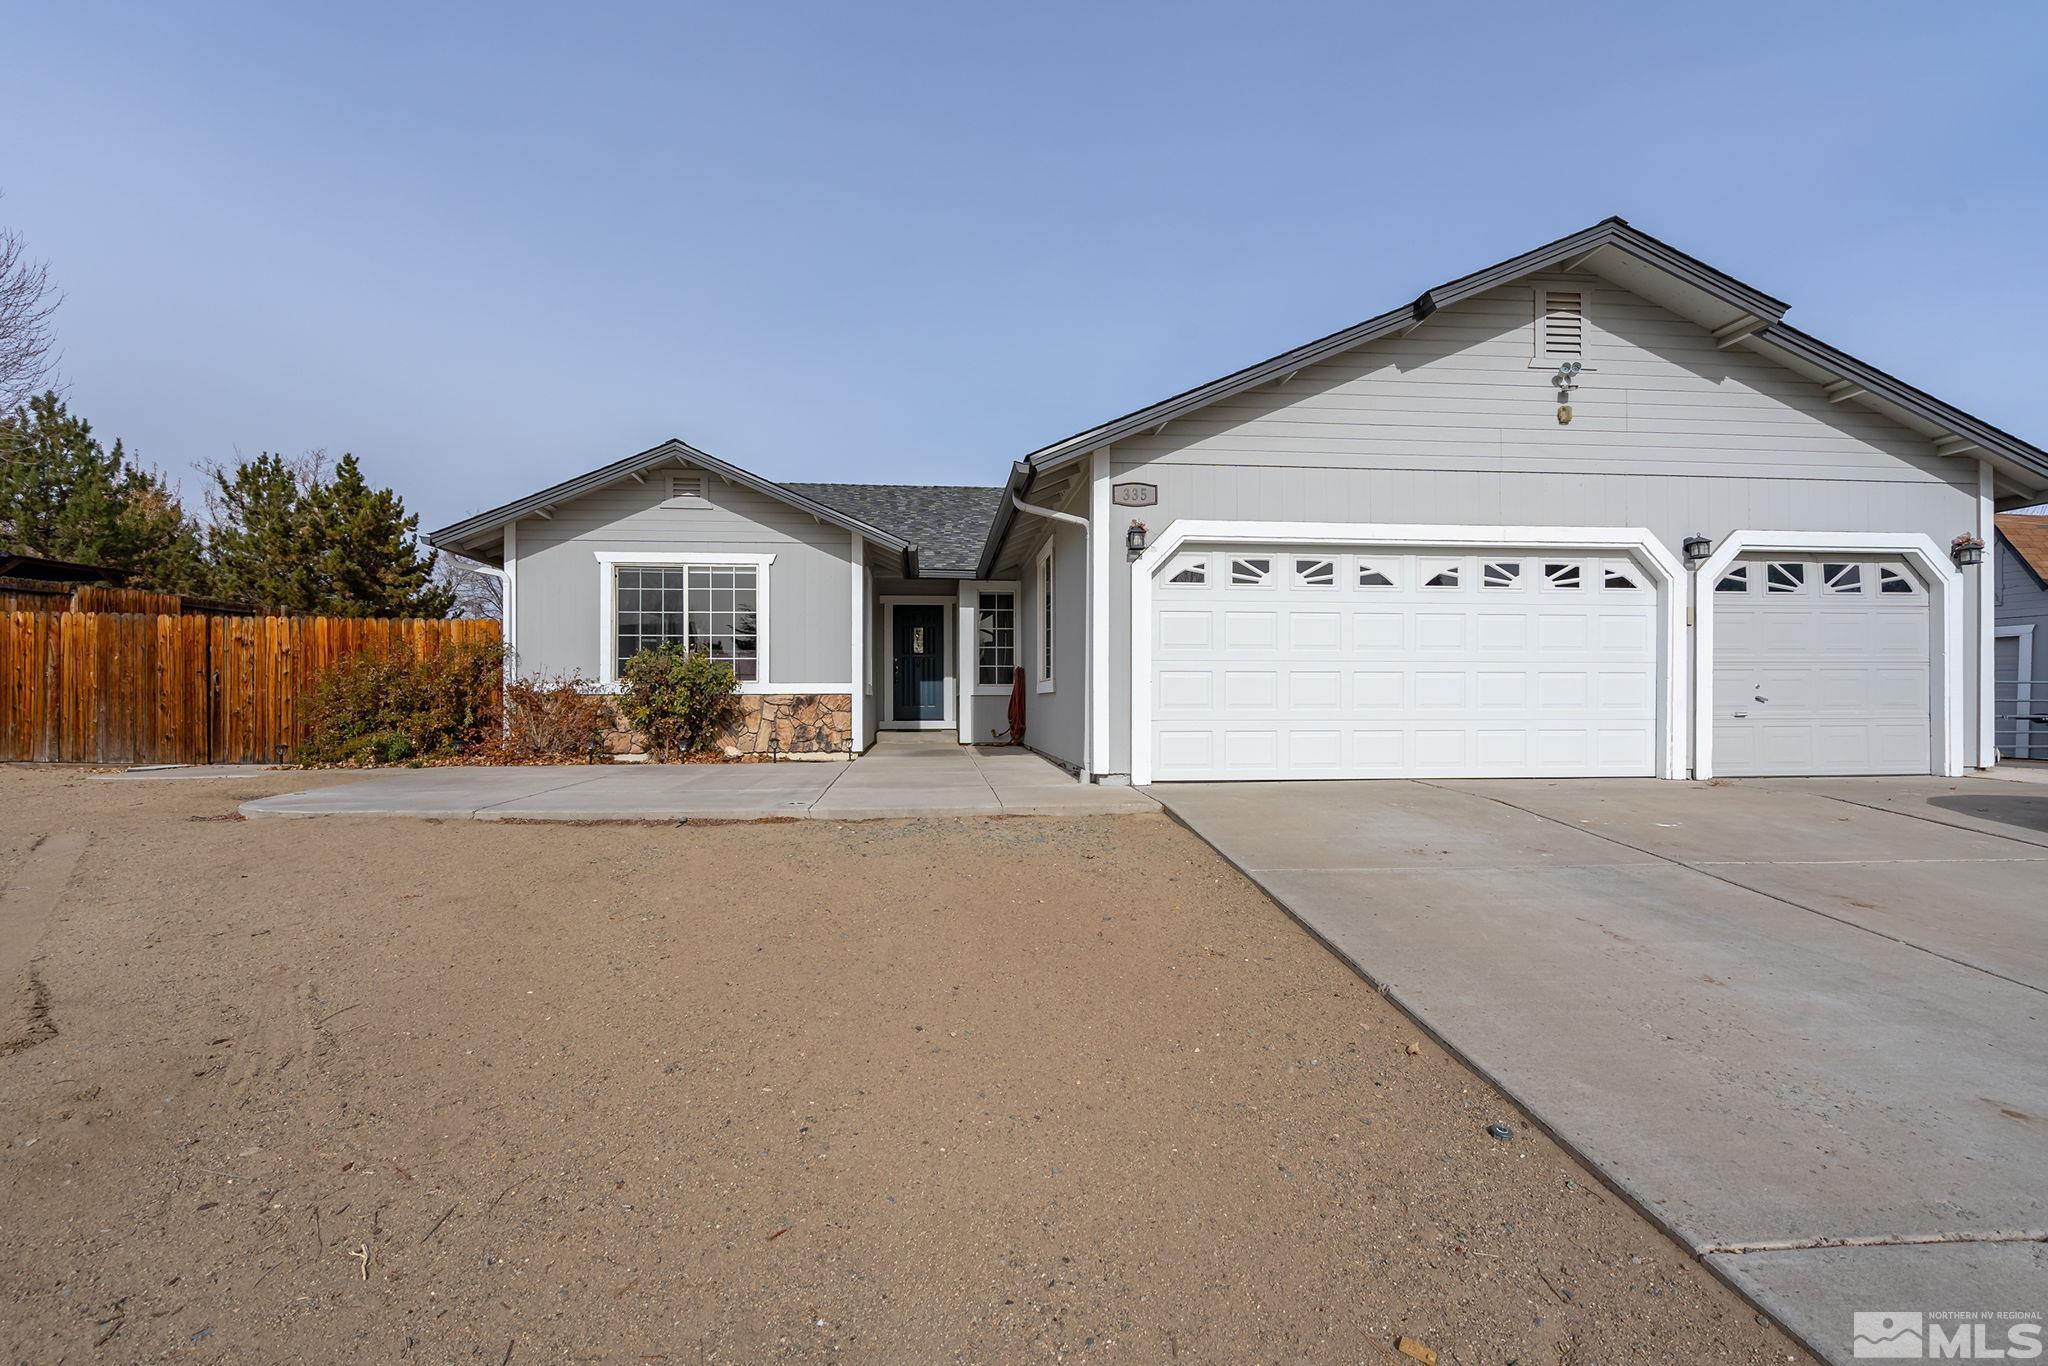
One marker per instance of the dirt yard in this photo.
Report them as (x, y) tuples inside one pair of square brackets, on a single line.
[(983, 1091)]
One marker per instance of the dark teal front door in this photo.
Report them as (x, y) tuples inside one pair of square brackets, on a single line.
[(920, 652)]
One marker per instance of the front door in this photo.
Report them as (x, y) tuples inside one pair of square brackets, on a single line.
[(920, 651)]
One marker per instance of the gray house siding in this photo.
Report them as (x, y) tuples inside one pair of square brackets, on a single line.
[(2022, 601), (1057, 721), (1453, 423), (809, 631)]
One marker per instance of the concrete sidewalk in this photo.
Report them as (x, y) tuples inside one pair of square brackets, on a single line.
[(910, 774)]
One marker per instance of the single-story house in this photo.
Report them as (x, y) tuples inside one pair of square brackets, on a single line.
[(1595, 510), (2020, 661)]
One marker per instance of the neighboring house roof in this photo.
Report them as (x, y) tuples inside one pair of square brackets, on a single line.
[(2028, 537), (1734, 312), (462, 536), (948, 523), (42, 569)]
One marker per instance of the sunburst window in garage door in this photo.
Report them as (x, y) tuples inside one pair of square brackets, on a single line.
[(1480, 663)]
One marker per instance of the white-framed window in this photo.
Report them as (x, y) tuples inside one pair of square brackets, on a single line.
[(1784, 576), (1619, 574), (1891, 580), (1375, 573), (712, 608), (1254, 571), (1501, 574), (1046, 661), (1188, 571), (995, 639), (1736, 580), (1564, 574), (1438, 573), (1843, 577), (1315, 571)]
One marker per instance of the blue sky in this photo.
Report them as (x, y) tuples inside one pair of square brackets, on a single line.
[(487, 248)]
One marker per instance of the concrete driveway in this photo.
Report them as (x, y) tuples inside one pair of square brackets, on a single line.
[(1780, 1016)]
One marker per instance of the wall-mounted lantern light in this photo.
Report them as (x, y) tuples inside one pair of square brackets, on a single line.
[(1134, 541), (1966, 550), (1697, 548)]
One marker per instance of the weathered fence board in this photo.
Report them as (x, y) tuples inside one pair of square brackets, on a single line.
[(138, 688)]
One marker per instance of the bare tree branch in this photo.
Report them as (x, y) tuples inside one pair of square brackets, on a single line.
[(28, 333), (477, 594)]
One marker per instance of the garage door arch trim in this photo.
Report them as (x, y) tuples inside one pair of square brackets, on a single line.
[(1638, 541), (1945, 584)]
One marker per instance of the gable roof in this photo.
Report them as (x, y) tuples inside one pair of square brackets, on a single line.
[(460, 536), (2028, 537), (1737, 314), (946, 522)]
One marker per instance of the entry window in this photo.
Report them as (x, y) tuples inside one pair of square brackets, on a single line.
[(1439, 573), (1251, 573), (1501, 574), (995, 638), (1045, 659), (708, 608), (1784, 576), (1562, 574), (1371, 575), (1893, 581), (1842, 578), (1736, 580), (1315, 573)]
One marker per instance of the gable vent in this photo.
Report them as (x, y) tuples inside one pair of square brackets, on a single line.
[(1562, 329), (685, 486)]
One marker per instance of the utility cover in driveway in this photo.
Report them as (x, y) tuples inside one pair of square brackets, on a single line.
[(1352, 662)]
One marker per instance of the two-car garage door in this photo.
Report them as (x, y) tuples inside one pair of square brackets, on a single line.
[(1347, 662)]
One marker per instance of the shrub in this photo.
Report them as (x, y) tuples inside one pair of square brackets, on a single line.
[(556, 717), (679, 698), (398, 706)]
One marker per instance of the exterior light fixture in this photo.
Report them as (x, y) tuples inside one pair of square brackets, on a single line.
[(1134, 541), (1966, 550), (1697, 548)]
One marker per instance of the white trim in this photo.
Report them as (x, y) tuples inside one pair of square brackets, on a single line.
[(1987, 619), (1947, 729), (2023, 680), (968, 676), (1045, 650), (509, 627), (856, 623), (888, 721), (1101, 547), (1635, 540), (609, 561)]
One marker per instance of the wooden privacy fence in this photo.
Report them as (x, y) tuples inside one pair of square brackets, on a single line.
[(142, 688)]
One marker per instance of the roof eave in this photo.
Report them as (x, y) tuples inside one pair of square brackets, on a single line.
[(458, 535)]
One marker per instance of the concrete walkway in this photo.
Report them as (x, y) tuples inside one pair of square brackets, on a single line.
[(905, 774), (1779, 1016)]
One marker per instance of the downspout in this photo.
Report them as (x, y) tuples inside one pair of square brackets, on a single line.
[(1087, 558)]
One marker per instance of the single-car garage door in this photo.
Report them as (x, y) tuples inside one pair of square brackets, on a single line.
[(1821, 667), (1359, 662)]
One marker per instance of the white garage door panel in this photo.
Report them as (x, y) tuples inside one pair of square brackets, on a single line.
[(1821, 666), (1361, 663)]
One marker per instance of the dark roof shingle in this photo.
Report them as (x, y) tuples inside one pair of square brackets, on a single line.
[(946, 522)]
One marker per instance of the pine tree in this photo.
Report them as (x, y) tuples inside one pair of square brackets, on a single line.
[(292, 535), (65, 496)]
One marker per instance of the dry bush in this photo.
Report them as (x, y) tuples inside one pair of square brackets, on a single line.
[(399, 706), (558, 717)]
